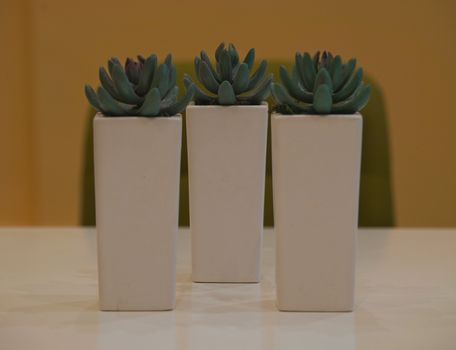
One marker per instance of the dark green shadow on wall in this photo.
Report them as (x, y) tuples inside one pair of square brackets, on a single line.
[(376, 198)]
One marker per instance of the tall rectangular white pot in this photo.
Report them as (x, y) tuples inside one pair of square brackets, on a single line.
[(226, 168), (316, 171), (137, 165)]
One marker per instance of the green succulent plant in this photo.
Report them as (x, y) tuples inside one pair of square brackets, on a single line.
[(231, 81), (321, 84), (139, 88)]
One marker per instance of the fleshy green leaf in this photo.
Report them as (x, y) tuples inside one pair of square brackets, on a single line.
[(163, 81), (347, 71), (169, 60), (258, 95), (151, 105), (123, 86), (292, 86), (219, 50), (132, 70), (308, 71), (280, 95), (322, 99), (316, 59), (172, 76), (147, 75), (208, 80), (226, 94), (241, 80), (324, 61), (109, 105), (258, 75), (196, 63), (113, 61), (336, 72), (92, 97), (107, 83), (350, 87), (225, 67), (355, 103), (180, 105), (233, 54), (205, 58), (250, 58), (199, 95), (297, 77), (323, 78), (170, 98), (286, 102)]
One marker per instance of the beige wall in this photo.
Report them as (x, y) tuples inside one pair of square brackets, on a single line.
[(16, 163), (54, 47)]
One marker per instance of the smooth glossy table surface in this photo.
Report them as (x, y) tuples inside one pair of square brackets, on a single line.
[(406, 299)]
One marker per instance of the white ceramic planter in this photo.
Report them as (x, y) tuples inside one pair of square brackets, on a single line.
[(137, 165), (226, 168), (316, 169)]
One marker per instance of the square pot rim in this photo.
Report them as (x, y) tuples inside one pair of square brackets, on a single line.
[(192, 105), (276, 115), (101, 116)]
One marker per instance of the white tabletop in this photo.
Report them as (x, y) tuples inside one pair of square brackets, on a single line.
[(406, 299)]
